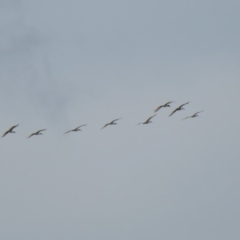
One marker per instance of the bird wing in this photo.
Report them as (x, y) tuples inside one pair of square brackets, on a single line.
[(40, 131), (68, 131), (80, 126), (5, 133), (173, 112), (115, 120), (168, 103), (31, 135), (11, 128), (150, 118), (185, 118), (104, 126), (197, 113), (183, 104), (158, 108)]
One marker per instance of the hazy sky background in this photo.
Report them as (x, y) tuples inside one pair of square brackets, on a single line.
[(67, 63)]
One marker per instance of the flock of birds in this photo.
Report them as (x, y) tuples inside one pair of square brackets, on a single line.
[(113, 122)]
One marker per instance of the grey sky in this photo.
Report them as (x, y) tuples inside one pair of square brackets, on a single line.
[(67, 63)]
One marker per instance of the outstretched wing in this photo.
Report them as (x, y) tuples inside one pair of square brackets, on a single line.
[(104, 126), (11, 128), (185, 118), (168, 103), (173, 112), (80, 126), (197, 113), (150, 118), (158, 108), (183, 104), (31, 135), (5, 133), (40, 131), (115, 120), (68, 131)]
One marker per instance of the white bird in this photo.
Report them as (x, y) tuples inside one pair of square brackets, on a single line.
[(111, 123), (10, 130), (148, 120), (178, 108), (76, 129), (194, 115), (39, 132), (164, 105)]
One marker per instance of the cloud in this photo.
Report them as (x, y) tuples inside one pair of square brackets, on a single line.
[(26, 70)]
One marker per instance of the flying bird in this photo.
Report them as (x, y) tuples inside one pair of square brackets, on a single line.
[(10, 130), (39, 132), (148, 120), (76, 129), (164, 105), (111, 123), (194, 115), (178, 108)]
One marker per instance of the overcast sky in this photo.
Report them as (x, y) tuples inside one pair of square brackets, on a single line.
[(67, 63)]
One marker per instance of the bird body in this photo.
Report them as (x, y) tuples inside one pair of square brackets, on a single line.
[(193, 116), (10, 130), (111, 123), (148, 120), (76, 129), (39, 132), (178, 108), (164, 105)]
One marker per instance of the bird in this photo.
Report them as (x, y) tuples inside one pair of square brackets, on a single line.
[(39, 132), (10, 130), (164, 105), (194, 115), (76, 129), (111, 123), (148, 120), (178, 108)]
